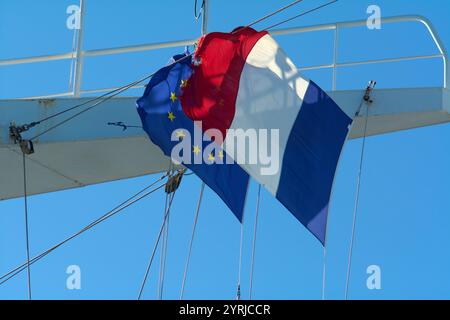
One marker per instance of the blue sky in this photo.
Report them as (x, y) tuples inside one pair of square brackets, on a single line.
[(403, 220)]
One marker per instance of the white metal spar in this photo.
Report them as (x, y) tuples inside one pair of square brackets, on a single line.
[(86, 151)]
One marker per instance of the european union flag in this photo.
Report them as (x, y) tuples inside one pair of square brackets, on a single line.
[(169, 128)]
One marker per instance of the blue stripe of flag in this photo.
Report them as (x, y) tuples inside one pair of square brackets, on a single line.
[(310, 159)]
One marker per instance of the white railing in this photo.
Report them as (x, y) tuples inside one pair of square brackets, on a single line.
[(336, 27)]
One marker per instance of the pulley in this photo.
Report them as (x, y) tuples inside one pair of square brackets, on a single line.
[(15, 133), (174, 182)]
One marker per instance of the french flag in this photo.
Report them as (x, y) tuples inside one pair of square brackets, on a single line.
[(243, 80)]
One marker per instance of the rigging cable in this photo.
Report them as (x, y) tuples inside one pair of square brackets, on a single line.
[(258, 197), (301, 14), (241, 245), (98, 100), (118, 91), (202, 188), (163, 252), (125, 204), (325, 244), (147, 271), (358, 186), (165, 236), (198, 14), (27, 239), (165, 243), (274, 13)]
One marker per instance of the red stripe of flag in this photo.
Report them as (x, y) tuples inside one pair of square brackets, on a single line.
[(212, 90)]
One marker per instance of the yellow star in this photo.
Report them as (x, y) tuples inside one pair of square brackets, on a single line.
[(171, 116), (180, 134), (221, 154), (183, 84), (173, 97), (196, 149), (211, 158)]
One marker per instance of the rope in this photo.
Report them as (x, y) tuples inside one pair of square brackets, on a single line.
[(25, 197), (258, 197), (301, 14), (202, 188), (147, 271), (355, 210), (125, 204)]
